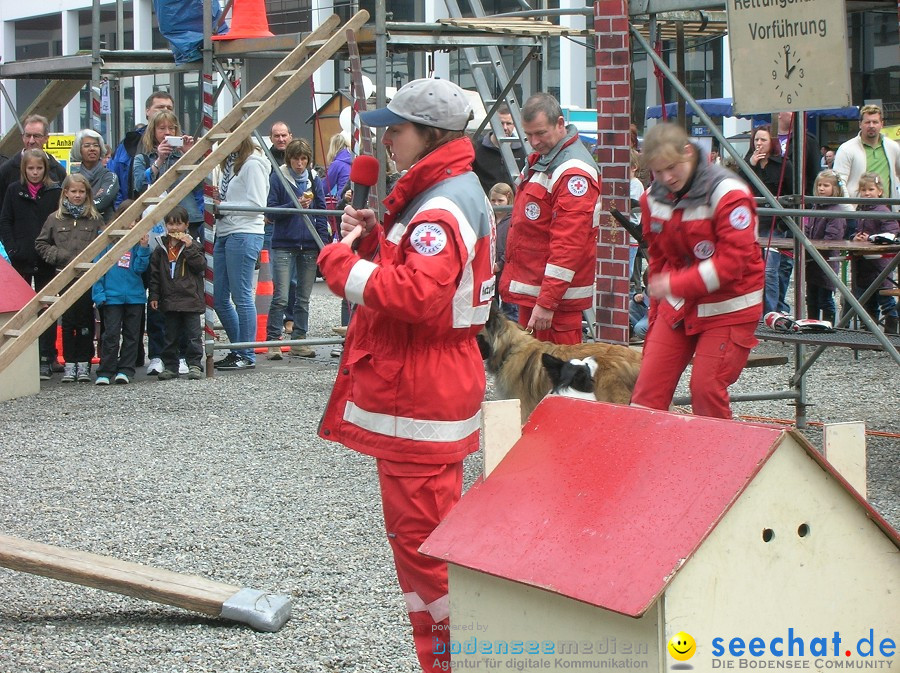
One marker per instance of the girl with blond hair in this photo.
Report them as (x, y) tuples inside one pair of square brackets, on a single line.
[(65, 234)]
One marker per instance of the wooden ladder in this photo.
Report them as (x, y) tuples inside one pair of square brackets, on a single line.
[(193, 167)]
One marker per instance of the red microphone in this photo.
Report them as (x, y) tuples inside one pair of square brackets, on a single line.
[(363, 174)]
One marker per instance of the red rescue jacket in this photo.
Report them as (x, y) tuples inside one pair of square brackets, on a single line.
[(551, 252), (706, 241), (411, 381)]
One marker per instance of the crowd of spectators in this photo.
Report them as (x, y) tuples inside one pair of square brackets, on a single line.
[(48, 215)]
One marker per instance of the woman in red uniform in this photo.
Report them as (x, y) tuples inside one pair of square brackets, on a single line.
[(411, 382), (706, 276)]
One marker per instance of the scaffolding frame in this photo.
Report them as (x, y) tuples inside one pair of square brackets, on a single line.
[(412, 36)]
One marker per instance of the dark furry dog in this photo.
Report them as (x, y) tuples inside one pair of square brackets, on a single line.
[(515, 359)]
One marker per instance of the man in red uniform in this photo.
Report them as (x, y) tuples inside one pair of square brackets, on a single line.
[(551, 252), (411, 381)]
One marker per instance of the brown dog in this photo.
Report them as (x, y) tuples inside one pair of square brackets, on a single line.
[(514, 358)]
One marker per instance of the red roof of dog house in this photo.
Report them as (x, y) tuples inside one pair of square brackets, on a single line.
[(16, 292), (606, 510)]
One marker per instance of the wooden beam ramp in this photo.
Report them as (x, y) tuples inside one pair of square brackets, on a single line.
[(260, 610), (49, 103), (194, 166)]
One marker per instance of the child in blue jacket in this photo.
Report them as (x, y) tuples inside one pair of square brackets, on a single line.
[(120, 296)]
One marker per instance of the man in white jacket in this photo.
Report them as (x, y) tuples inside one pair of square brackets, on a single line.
[(870, 150)]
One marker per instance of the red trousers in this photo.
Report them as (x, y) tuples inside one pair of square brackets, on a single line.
[(565, 328), (416, 498), (719, 353)]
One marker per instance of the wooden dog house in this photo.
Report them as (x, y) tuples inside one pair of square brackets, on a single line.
[(593, 543), (20, 378), (326, 122)]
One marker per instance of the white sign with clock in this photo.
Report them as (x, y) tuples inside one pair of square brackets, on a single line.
[(788, 55)]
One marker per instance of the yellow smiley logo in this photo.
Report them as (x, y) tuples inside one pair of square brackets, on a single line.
[(682, 646)]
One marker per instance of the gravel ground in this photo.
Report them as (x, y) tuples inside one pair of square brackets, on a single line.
[(225, 478)]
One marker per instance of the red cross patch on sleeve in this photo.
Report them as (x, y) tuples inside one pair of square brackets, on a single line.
[(578, 185), (428, 239)]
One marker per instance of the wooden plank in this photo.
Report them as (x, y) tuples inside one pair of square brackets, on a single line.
[(845, 449), (190, 592), (49, 103), (761, 360), (515, 26), (753, 360), (502, 426)]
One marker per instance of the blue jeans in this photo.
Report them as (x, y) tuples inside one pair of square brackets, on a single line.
[(285, 264), (819, 300), (878, 303), (234, 263), (639, 317), (778, 276), (269, 228)]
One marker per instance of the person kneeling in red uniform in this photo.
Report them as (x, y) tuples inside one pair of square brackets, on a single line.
[(411, 381), (706, 275)]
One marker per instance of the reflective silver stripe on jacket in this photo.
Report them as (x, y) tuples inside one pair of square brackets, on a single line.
[(707, 269), (439, 609), (464, 313), (730, 305), (411, 428), (729, 185), (548, 182), (535, 290), (559, 272), (356, 281), (663, 211)]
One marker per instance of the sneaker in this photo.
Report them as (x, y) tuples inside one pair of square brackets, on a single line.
[(303, 351), (288, 327), (195, 373), (227, 362), (239, 362), (44, 371), (182, 366), (337, 351), (155, 366), (68, 373), (55, 366), (167, 375), (102, 381), (274, 353), (122, 379), (83, 372)]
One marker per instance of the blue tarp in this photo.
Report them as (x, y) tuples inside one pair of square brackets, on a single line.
[(721, 107), (181, 23)]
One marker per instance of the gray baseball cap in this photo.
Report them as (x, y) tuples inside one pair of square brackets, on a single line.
[(433, 102)]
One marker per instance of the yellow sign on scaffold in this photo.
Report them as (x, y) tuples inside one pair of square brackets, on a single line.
[(59, 145)]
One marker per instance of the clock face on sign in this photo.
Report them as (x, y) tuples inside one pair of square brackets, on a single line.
[(788, 74)]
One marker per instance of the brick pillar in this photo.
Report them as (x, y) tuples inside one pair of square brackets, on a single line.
[(614, 157)]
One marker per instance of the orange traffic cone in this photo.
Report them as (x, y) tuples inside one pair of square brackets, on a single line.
[(248, 19), (59, 348), (264, 290)]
